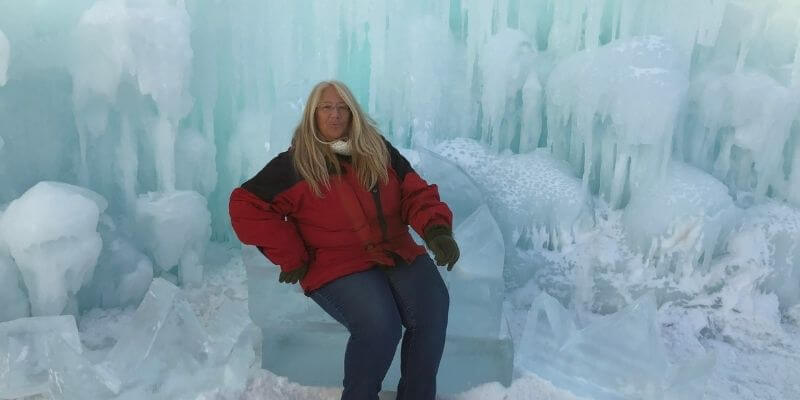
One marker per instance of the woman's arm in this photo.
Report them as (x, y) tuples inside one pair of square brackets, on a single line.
[(420, 205), (259, 223)]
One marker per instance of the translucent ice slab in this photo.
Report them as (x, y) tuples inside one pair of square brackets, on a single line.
[(476, 281), (163, 337), (43, 355), (456, 188), (620, 356), (303, 343)]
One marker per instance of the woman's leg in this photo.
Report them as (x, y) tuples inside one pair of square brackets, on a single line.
[(363, 302), (423, 302)]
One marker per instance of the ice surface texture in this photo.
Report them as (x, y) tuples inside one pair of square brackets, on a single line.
[(533, 191)]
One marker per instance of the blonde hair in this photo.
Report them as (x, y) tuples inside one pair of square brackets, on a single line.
[(313, 159)]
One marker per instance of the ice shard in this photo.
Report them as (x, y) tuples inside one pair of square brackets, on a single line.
[(43, 356), (164, 340), (476, 282)]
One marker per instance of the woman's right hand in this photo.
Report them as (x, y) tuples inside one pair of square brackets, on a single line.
[(294, 275)]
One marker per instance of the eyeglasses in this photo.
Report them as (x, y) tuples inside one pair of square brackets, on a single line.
[(328, 108)]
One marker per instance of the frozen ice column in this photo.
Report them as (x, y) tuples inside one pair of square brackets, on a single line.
[(51, 232)]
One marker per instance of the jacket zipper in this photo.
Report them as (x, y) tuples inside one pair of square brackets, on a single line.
[(376, 196)]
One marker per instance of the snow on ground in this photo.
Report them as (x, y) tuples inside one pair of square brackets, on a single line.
[(750, 364)]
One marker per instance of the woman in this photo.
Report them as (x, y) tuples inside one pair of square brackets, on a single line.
[(333, 212)]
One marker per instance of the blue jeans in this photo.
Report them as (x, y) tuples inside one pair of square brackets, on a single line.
[(374, 305)]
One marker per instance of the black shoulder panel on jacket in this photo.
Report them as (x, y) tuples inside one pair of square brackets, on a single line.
[(399, 164), (277, 176)]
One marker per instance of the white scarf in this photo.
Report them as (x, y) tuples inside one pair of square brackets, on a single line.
[(341, 147), (338, 146)]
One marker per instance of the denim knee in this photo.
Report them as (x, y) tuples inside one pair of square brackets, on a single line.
[(379, 331)]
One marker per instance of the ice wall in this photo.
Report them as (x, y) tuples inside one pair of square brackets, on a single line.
[(161, 95)]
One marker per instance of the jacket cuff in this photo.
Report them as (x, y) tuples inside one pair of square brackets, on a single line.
[(437, 229)]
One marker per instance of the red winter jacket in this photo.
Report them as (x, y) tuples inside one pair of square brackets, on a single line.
[(348, 229)]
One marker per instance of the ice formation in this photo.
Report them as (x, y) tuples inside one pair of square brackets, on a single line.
[(122, 275), (741, 143), (55, 247), (611, 113), (506, 63), (689, 215), (532, 192), (175, 228)]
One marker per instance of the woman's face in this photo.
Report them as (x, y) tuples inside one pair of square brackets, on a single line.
[(332, 115)]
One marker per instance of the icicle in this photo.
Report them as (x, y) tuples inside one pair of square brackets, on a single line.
[(5, 53), (593, 23), (128, 163), (796, 65), (164, 134), (532, 110)]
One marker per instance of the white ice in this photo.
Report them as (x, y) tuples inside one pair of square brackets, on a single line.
[(175, 227), (678, 224), (51, 232)]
